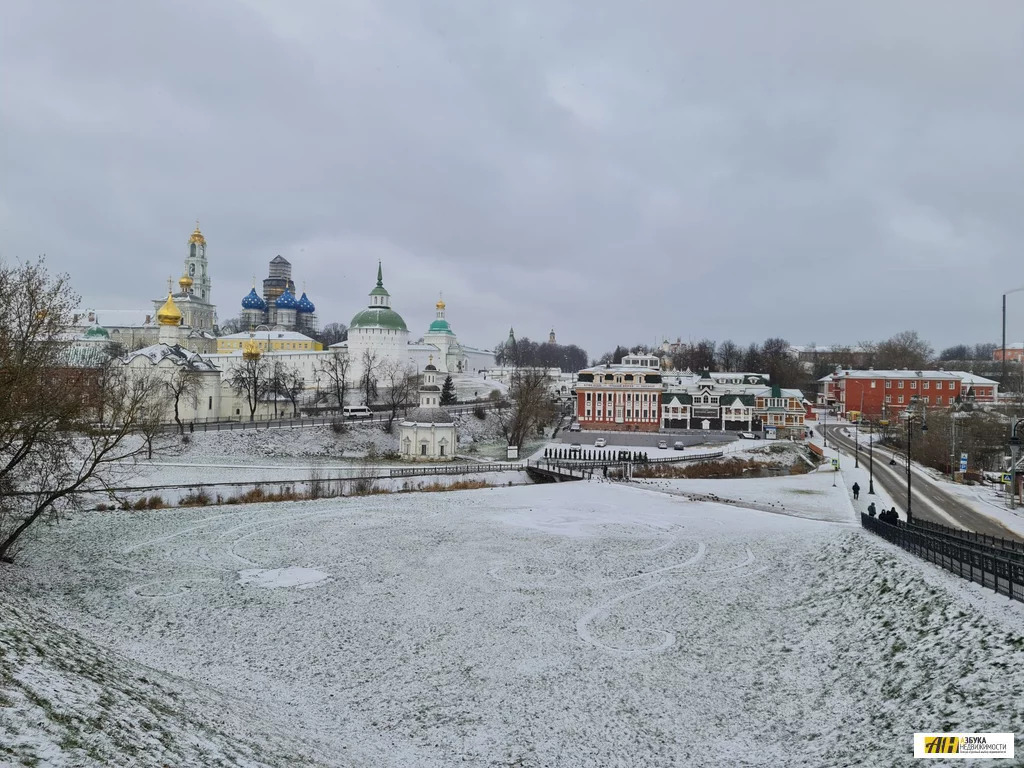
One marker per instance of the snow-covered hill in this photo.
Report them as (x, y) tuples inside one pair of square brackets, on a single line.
[(576, 624), (68, 701)]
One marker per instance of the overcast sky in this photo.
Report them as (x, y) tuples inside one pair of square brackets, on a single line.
[(622, 172)]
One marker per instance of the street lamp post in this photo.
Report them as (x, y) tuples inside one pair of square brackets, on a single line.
[(924, 428), (856, 433), (871, 459), (1014, 458), (1003, 350)]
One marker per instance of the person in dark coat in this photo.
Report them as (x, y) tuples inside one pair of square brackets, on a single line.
[(856, 491), (871, 509)]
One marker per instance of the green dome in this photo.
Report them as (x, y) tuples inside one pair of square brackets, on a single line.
[(440, 326), (97, 332), (380, 290), (378, 317)]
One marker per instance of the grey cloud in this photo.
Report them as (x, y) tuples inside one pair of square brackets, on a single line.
[(620, 171)]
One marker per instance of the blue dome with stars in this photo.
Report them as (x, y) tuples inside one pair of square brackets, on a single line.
[(286, 300), (254, 301), (305, 305)]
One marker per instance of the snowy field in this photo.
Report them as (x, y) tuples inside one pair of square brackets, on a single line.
[(578, 624)]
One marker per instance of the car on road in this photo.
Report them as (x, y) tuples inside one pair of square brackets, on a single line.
[(749, 436), (600, 442), (575, 447), (663, 444), (575, 427), (678, 445)]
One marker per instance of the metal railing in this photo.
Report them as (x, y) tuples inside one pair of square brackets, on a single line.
[(994, 568), (612, 458), (998, 542)]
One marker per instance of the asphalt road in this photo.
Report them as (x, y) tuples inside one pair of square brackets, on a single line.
[(926, 496)]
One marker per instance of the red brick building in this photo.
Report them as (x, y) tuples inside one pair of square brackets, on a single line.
[(1013, 352), (624, 397), (886, 394)]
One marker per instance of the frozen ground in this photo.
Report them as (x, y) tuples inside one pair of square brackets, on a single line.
[(578, 624)]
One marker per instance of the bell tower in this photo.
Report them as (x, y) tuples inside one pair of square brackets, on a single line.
[(196, 266)]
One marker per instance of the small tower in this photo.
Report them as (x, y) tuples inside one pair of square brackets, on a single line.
[(551, 336), (379, 296), (305, 315), (287, 307), (254, 308), (196, 266), (430, 393), (169, 318)]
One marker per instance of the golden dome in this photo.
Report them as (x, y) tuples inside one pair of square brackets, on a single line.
[(251, 350), (185, 283), (169, 314), (440, 304), (197, 236)]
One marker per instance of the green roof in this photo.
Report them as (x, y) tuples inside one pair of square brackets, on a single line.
[(97, 332), (440, 326), (378, 317)]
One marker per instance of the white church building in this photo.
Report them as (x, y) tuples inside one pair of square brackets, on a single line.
[(378, 334), (428, 432)]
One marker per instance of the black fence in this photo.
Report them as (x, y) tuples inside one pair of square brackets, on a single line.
[(1010, 545), (1000, 570), (603, 458)]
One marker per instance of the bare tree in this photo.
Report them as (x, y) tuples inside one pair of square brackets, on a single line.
[(232, 325), (399, 385), (183, 388), (368, 380), (332, 333), (335, 371), (531, 406), (904, 350), (52, 450), (291, 385), (251, 379), (729, 356)]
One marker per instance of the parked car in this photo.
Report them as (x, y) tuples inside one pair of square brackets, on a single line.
[(679, 445), (575, 447), (663, 443), (600, 442), (749, 436), (575, 427)]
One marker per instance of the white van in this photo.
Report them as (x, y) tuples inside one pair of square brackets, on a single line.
[(357, 412)]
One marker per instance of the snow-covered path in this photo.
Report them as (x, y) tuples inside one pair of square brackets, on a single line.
[(577, 624)]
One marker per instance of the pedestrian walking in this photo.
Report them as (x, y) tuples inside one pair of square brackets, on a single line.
[(871, 509), (856, 491)]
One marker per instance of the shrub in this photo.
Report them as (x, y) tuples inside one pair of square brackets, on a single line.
[(155, 502), (339, 427), (480, 412), (197, 499)]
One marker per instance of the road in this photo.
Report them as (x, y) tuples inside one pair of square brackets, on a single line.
[(285, 422), (926, 496)]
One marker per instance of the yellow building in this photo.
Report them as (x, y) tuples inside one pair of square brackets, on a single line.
[(274, 341)]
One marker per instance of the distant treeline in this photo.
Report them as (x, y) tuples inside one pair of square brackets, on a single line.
[(524, 352)]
